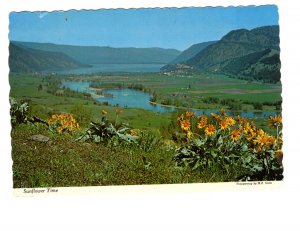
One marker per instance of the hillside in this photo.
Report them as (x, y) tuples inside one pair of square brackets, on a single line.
[(191, 52), (188, 54), (108, 55), (31, 60), (250, 54), (262, 65), (237, 43)]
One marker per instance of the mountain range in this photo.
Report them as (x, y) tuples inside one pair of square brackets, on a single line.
[(22, 59), (107, 55), (248, 54)]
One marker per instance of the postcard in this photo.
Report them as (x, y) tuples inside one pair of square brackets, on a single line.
[(141, 97)]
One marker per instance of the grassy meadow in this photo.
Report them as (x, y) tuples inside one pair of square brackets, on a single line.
[(137, 146)]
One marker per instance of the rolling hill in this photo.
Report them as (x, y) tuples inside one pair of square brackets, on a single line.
[(108, 55), (23, 59)]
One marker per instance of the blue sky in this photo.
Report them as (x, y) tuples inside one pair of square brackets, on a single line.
[(166, 28)]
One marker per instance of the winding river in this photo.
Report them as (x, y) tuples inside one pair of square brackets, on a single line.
[(130, 98)]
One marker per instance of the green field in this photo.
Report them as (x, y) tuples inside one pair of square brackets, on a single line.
[(194, 90), (65, 162)]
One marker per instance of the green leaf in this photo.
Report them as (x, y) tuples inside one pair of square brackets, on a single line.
[(244, 148), (97, 139), (214, 155), (123, 130), (198, 142), (247, 159), (220, 141)]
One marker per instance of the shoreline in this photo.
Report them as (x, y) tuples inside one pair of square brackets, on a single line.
[(208, 109)]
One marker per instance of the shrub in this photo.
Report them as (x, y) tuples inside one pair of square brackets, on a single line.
[(107, 132), (235, 106), (258, 106), (19, 112), (224, 142)]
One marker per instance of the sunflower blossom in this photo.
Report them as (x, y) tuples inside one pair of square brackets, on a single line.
[(230, 121), (210, 130), (190, 114), (224, 124), (275, 121), (185, 125), (235, 135), (264, 139), (201, 124)]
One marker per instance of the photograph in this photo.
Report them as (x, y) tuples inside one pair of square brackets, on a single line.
[(145, 96)]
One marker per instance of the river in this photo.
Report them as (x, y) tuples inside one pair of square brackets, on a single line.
[(130, 98)]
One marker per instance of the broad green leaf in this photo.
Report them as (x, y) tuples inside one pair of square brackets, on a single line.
[(244, 148)]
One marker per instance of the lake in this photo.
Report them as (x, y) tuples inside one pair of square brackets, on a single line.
[(130, 98), (97, 68)]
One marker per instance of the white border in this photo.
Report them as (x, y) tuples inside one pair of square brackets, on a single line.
[(241, 210)]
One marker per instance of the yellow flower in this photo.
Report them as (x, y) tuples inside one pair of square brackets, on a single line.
[(201, 124), (263, 139), (185, 125), (118, 110), (54, 117), (189, 134), (202, 117), (275, 121), (59, 130), (63, 122), (250, 134), (190, 114), (103, 112), (222, 112), (242, 120), (235, 134), (210, 129), (261, 132), (247, 128), (216, 116), (230, 121), (271, 140), (223, 124), (133, 132)]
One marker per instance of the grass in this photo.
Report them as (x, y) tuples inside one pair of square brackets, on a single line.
[(44, 104), (196, 85), (65, 162)]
